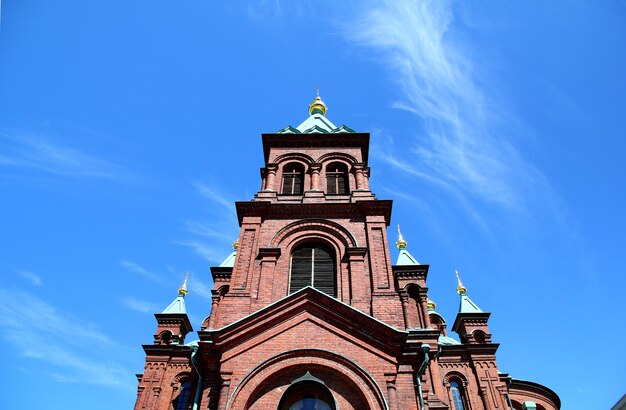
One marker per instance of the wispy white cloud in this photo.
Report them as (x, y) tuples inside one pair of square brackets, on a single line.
[(460, 146), (211, 237), (199, 287), (140, 306), (136, 268), (204, 250), (65, 342), (30, 151), (31, 277), (206, 230), (216, 197)]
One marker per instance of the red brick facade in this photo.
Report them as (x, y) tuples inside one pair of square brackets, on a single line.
[(363, 348)]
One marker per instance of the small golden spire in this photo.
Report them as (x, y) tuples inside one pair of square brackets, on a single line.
[(460, 289), (182, 291), (430, 304), (317, 106), (401, 243), (236, 245)]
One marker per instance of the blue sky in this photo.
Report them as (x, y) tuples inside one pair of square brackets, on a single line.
[(128, 129)]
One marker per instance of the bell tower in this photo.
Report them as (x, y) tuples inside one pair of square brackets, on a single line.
[(313, 222)]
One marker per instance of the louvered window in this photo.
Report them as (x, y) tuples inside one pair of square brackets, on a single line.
[(293, 176), (336, 178), (313, 266)]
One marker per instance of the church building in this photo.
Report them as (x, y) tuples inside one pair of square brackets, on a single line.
[(310, 312)]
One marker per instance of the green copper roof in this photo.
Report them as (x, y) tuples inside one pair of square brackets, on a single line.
[(446, 341), (316, 124), (229, 262), (405, 258), (177, 306), (468, 306)]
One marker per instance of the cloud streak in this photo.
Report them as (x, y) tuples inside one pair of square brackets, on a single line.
[(29, 151), (31, 277), (210, 237), (457, 149), (40, 332), (140, 306), (140, 270)]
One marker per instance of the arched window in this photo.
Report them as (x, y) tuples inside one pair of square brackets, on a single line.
[(457, 397), (293, 179), (313, 265), (307, 396), (182, 401), (336, 178)]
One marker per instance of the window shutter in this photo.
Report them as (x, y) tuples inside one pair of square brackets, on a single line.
[(313, 266), (301, 264), (297, 184), (341, 183), (287, 184), (330, 184), (323, 271)]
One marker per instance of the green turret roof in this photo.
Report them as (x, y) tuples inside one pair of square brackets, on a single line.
[(178, 305), (229, 262), (404, 257), (467, 305), (316, 123)]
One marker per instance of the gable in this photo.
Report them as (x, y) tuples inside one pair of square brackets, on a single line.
[(307, 319)]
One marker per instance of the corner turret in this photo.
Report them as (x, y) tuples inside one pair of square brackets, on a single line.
[(173, 323), (471, 321)]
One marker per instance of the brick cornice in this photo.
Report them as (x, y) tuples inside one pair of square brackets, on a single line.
[(221, 273), (360, 140), (268, 210)]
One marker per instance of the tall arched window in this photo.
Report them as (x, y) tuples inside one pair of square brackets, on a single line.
[(336, 178), (293, 179), (457, 397), (313, 265), (182, 401)]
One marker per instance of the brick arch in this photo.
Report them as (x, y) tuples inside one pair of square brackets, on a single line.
[(334, 156), (413, 287), (183, 376), (294, 156), (342, 368), (454, 375), (310, 226)]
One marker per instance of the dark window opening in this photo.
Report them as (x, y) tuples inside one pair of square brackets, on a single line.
[(313, 266), (336, 179), (307, 396), (182, 401), (293, 179)]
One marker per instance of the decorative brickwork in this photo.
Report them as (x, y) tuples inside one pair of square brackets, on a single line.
[(378, 344)]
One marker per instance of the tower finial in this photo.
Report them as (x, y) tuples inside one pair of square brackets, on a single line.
[(460, 289), (401, 243), (182, 291), (317, 106)]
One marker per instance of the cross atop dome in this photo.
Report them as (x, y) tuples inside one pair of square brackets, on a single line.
[(317, 106)]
